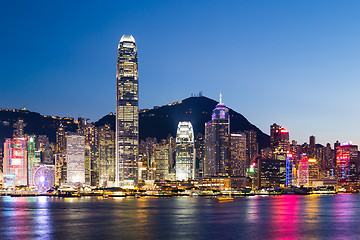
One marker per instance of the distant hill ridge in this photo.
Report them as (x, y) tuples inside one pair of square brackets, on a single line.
[(158, 122), (162, 121)]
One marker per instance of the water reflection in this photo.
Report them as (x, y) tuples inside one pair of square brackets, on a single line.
[(281, 217), (252, 209), (16, 218), (42, 224), (285, 217)]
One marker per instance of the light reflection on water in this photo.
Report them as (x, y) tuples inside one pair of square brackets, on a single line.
[(277, 217)]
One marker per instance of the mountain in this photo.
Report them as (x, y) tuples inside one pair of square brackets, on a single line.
[(35, 123), (162, 121), (158, 122)]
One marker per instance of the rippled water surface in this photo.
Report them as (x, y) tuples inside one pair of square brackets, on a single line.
[(275, 217)]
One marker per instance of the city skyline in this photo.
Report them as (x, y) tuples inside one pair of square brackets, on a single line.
[(308, 62)]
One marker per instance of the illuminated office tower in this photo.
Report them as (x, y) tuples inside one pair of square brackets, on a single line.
[(200, 155), (347, 161), (329, 157), (33, 158), (15, 160), (217, 142), (60, 156), (289, 169), (93, 140), (313, 170), (106, 157), (279, 139), (311, 153), (60, 145), (303, 171), (185, 155), (1, 158), (237, 161), (270, 172), (252, 148), (87, 160), (75, 158), (162, 157), (60, 169), (127, 115)]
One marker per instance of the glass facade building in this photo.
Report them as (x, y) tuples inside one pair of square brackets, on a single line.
[(127, 115), (217, 142), (185, 152)]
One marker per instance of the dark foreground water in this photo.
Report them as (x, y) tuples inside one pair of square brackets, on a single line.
[(276, 217)]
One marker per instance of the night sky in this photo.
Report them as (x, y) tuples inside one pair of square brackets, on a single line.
[(296, 63)]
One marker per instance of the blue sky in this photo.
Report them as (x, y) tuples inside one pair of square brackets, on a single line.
[(296, 63)]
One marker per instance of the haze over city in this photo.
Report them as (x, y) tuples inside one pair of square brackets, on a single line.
[(294, 63)]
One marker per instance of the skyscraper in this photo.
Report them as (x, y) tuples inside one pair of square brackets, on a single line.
[(32, 158), (279, 139), (162, 156), (106, 157), (15, 159), (289, 164), (75, 158), (347, 161), (185, 155), (313, 170), (251, 146), (200, 155), (237, 160), (127, 115), (217, 142), (303, 171)]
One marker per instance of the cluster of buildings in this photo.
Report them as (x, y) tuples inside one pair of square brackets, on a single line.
[(100, 157), (308, 165)]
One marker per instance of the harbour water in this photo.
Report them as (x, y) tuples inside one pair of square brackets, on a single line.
[(257, 217)]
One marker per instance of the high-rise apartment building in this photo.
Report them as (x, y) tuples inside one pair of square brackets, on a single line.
[(217, 142), (127, 115), (185, 152)]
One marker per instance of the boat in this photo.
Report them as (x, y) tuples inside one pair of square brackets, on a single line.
[(225, 199), (68, 193)]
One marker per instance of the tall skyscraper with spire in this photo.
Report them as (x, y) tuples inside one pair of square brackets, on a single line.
[(127, 115), (217, 132)]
